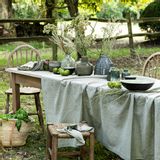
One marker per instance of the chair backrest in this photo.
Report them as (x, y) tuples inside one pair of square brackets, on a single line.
[(23, 54), (151, 67)]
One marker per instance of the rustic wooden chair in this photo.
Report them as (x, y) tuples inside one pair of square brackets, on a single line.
[(52, 143), (151, 66), (21, 55)]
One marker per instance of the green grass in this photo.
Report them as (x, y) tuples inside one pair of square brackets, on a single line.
[(35, 146)]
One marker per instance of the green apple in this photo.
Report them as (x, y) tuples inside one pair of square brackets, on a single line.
[(65, 72), (55, 70)]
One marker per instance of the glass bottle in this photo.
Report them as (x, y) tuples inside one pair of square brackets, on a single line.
[(103, 65)]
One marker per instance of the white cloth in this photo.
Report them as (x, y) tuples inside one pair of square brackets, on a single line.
[(76, 132), (32, 66), (127, 123)]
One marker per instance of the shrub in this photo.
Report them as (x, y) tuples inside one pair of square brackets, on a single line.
[(152, 10), (110, 10), (25, 10), (133, 12), (116, 10)]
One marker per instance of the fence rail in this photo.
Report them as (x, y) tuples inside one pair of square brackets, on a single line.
[(129, 22)]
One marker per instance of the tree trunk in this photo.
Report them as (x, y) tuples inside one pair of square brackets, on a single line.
[(50, 5), (6, 8), (72, 7), (52, 13), (6, 12)]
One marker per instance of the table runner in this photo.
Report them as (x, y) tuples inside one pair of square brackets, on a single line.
[(127, 123)]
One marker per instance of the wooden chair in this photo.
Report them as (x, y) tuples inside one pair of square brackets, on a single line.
[(151, 66), (21, 55), (52, 143)]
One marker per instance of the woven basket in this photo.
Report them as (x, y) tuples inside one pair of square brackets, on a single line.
[(10, 136)]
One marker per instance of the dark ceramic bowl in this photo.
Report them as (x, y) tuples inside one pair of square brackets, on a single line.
[(54, 64), (72, 69), (137, 84), (130, 77)]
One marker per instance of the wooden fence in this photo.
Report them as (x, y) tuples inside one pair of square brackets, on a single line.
[(129, 22)]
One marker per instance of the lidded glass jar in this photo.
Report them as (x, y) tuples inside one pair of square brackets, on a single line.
[(83, 67)]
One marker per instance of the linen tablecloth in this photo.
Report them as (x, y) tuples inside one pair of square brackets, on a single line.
[(125, 122)]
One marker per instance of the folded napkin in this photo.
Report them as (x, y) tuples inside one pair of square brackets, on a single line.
[(32, 66), (75, 131)]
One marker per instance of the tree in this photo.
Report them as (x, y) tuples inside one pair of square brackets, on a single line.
[(6, 8), (72, 6)]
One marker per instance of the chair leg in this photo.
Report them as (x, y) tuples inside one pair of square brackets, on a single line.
[(49, 144), (82, 152), (54, 149), (39, 111), (91, 146), (7, 104)]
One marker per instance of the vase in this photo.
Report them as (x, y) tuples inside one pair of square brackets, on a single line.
[(83, 67), (125, 73), (103, 65), (68, 62)]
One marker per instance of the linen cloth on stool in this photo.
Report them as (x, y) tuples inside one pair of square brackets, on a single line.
[(57, 130)]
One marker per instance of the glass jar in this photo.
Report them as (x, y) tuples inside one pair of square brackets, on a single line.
[(68, 62), (125, 73), (83, 67), (114, 74)]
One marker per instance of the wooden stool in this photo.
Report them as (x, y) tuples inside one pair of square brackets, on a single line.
[(52, 143)]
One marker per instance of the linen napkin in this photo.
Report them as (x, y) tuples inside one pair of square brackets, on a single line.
[(32, 66), (75, 131)]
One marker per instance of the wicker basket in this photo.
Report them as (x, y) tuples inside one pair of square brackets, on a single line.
[(10, 136)]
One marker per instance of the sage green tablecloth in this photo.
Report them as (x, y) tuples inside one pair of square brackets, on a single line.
[(125, 122)]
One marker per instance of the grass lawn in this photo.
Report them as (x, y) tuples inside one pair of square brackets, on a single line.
[(35, 146)]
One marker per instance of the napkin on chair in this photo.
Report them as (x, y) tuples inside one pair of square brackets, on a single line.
[(75, 131), (32, 66)]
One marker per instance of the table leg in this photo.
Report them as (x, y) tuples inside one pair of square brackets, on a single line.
[(16, 93)]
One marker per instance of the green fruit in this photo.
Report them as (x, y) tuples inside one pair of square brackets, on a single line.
[(55, 70), (114, 84), (117, 85), (60, 70), (65, 72)]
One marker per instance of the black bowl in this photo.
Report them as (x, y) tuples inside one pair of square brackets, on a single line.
[(130, 77), (71, 69), (137, 84), (54, 64)]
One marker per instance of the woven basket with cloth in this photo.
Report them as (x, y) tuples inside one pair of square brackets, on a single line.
[(9, 134)]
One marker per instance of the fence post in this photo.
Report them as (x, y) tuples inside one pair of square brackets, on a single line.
[(130, 34), (52, 12)]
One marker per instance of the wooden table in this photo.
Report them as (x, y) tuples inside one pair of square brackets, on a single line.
[(126, 123), (22, 78)]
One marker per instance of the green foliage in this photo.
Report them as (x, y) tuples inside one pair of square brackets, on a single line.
[(119, 9), (110, 10), (20, 115), (152, 10), (91, 5), (134, 12), (26, 10)]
